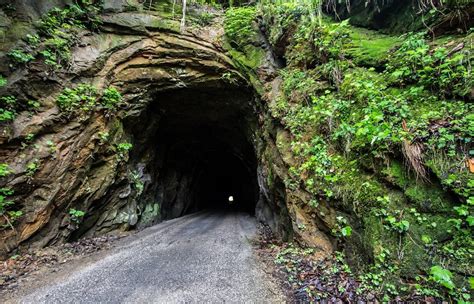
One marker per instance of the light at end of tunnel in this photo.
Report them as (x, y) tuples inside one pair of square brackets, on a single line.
[(231, 198)]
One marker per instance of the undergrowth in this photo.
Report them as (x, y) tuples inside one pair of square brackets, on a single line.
[(358, 103)]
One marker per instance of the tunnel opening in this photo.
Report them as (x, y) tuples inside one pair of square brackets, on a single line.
[(198, 146)]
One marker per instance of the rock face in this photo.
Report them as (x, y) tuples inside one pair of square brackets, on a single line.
[(188, 117), (401, 16), (182, 99)]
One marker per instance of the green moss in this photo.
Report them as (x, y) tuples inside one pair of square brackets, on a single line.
[(428, 197), (150, 214), (452, 173), (425, 196), (165, 24), (248, 61), (250, 58), (375, 236), (13, 33), (396, 174), (370, 48)]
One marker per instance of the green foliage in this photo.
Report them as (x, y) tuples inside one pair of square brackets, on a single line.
[(442, 276), (4, 170), (238, 25), (57, 31), (76, 215), (123, 149), (346, 231), (52, 148), (439, 70), (84, 14), (137, 182), (33, 40), (103, 137), (20, 57), (111, 98), (3, 81), (8, 105), (7, 211), (379, 276), (289, 255), (32, 167), (349, 121), (85, 98)]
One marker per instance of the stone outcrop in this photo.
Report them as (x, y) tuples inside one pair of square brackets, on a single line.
[(61, 161)]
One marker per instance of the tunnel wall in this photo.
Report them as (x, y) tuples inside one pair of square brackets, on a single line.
[(106, 162)]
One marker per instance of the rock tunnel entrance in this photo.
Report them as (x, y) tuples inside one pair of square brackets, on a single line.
[(198, 146), (194, 132)]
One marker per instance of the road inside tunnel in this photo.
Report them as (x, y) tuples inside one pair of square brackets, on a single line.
[(203, 153), (201, 172)]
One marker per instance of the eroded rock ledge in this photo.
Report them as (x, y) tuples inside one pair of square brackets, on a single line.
[(183, 99)]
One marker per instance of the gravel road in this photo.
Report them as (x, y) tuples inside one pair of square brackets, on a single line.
[(200, 258)]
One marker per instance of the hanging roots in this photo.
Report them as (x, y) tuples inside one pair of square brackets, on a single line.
[(413, 153)]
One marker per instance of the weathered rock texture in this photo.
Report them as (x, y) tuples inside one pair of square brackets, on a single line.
[(185, 106), (174, 85)]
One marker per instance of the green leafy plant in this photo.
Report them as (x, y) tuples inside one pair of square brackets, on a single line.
[(111, 98), (76, 215), (8, 105), (56, 34), (238, 25), (33, 40), (32, 167), (137, 182), (52, 148), (6, 205), (123, 149), (4, 170), (83, 97), (20, 57), (442, 276), (342, 229), (103, 137)]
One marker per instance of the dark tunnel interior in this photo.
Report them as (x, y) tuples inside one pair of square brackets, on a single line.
[(203, 157)]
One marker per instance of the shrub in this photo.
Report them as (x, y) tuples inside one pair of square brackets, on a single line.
[(83, 97), (111, 98), (238, 25)]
